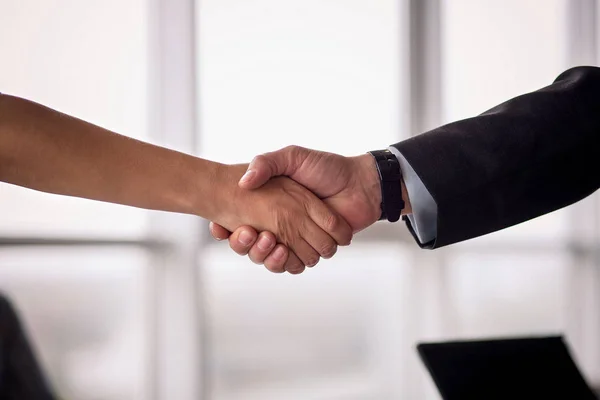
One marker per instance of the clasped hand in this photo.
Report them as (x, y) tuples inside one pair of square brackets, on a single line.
[(296, 205)]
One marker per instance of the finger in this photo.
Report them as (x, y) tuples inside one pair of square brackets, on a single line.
[(319, 240), (305, 253), (218, 232), (266, 166), (294, 265), (330, 222), (262, 248), (242, 239), (275, 262)]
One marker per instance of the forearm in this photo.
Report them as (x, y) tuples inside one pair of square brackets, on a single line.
[(524, 158), (48, 151)]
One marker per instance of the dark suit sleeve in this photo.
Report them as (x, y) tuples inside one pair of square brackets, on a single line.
[(524, 158)]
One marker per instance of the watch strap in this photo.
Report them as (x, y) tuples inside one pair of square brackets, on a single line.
[(390, 176)]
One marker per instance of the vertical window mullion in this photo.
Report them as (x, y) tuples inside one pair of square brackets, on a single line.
[(177, 329)]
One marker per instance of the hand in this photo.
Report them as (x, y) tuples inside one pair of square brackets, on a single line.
[(296, 217), (350, 185)]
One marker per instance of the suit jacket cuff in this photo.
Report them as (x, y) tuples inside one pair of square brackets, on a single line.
[(422, 223)]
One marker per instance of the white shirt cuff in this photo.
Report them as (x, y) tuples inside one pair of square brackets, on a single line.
[(424, 208)]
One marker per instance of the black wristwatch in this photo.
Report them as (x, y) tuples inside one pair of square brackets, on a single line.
[(390, 174)]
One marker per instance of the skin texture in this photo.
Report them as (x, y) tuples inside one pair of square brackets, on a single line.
[(292, 211), (349, 185), (45, 150)]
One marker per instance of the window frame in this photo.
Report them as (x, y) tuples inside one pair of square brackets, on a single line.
[(175, 242)]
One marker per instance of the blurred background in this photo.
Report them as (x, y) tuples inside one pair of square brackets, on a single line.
[(128, 304)]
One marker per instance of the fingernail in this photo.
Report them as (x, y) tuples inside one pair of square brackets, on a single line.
[(248, 175), (264, 243), (279, 253), (245, 238)]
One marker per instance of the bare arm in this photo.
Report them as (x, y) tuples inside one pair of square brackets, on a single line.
[(48, 151)]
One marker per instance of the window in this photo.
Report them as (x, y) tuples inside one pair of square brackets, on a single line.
[(321, 75), (186, 319), (333, 76), (62, 55), (85, 305), (493, 52), (86, 311), (542, 271)]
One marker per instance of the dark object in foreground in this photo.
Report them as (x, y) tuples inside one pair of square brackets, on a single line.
[(21, 377), (509, 368)]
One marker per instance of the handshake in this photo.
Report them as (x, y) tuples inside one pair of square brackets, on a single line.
[(286, 209), (293, 206)]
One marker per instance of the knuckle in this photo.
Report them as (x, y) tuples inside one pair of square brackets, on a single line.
[(261, 158), (328, 250), (285, 226), (264, 243), (346, 238), (344, 235), (291, 148), (263, 163), (312, 260), (274, 267), (295, 269), (294, 265), (256, 260), (331, 222), (236, 247), (297, 272)]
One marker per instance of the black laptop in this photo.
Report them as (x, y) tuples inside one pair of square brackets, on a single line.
[(509, 368)]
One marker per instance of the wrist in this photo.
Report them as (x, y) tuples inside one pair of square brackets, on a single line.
[(221, 193), (369, 182), (224, 195), (209, 187)]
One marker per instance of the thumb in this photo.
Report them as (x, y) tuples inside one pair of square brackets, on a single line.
[(218, 232), (266, 166)]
